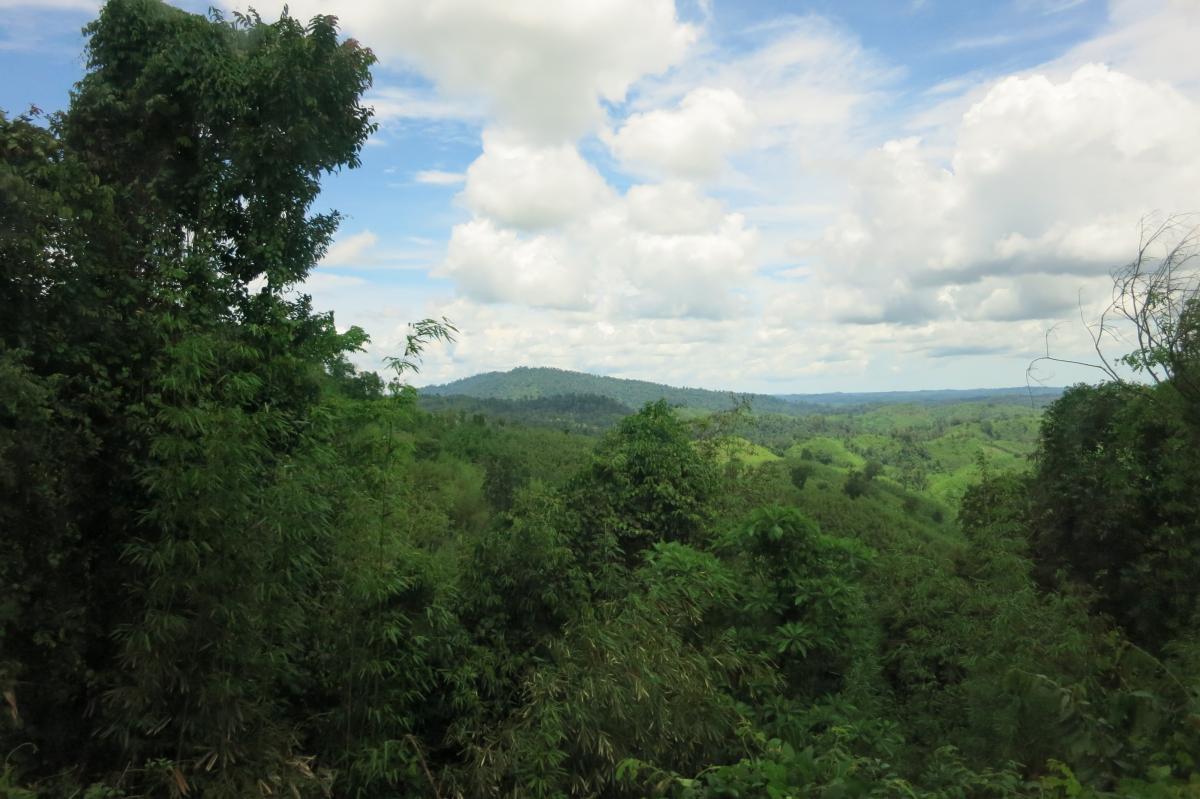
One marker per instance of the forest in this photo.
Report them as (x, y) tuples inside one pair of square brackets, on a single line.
[(235, 565)]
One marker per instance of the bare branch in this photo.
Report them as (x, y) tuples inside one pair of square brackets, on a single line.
[(1157, 294)]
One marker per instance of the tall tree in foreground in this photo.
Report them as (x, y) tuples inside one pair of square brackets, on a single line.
[(160, 438), (1118, 471)]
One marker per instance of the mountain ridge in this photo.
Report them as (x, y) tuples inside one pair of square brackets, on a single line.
[(539, 382)]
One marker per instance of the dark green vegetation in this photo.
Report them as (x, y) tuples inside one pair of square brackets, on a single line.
[(235, 566), (583, 413)]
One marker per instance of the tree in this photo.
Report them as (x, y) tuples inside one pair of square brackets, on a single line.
[(799, 474), (646, 483), (1115, 500), (1158, 293), (858, 482), (1115, 505), (1156, 304), (161, 414)]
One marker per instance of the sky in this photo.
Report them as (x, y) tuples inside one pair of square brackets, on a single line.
[(782, 197)]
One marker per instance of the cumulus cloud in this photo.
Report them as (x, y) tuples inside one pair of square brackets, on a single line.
[(933, 259), (531, 186), (803, 84), (694, 274), (690, 140), (494, 264), (659, 251), (1046, 178), (541, 66), (673, 207), (776, 352)]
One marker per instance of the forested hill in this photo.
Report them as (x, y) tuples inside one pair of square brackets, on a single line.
[(533, 382), (525, 383), (1040, 395)]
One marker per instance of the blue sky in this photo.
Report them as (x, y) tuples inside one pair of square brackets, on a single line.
[(771, 196)]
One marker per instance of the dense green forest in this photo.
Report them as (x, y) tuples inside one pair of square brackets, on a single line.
[(235, 565), (937, 447)]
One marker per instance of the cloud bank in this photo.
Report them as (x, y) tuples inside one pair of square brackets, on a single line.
[(789, 212)]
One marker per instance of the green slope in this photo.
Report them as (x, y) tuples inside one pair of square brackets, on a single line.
[(525, 383), (531, 383)]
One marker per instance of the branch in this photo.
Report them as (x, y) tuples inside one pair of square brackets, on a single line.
[(1107, 367)]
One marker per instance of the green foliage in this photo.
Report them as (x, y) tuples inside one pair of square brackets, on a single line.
[(238, 566), (171, 520), (646, 483), (589, 414), (803, 602), (800, 474), (1115, 504)]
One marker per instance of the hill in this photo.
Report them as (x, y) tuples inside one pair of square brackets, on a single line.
[(579, 413), (524, 383), (1040, 395)]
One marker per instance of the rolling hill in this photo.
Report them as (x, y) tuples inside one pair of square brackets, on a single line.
[(525, 383)]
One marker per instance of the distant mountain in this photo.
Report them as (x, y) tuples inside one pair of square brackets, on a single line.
[(1041, 395), (526, 383)]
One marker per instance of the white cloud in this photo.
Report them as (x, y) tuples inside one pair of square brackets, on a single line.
[(437, 177), (493, 264), (674, 207), (660, 251), (391, 103), (1154, 40), (350, 250), (777, 352), (363, 250), (531, 186), (690, 141), (1046, 177), (1047, 7), (323, 281), (541, 66), (959, 246), (702, 273), (806, 84)]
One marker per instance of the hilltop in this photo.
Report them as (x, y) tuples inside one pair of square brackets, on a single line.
[(525, 383)]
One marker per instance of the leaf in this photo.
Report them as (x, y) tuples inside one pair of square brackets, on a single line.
[(10, 698)]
